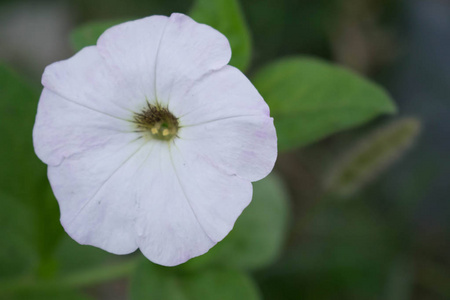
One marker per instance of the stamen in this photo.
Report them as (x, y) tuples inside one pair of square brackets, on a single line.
[(158, 122)]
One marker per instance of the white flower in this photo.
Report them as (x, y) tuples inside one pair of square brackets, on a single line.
[(152, 140)]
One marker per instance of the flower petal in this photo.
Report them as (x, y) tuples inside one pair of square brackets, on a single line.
[(168, 229), (97, 193), (85, 79), (221, 94), (216, 198), (188, 50), (131, 49), (245, 146), (64, 128)]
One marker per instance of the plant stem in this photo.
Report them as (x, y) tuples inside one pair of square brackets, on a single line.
[(78, 279)]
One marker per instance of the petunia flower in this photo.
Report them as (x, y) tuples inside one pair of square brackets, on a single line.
[(152, 140)]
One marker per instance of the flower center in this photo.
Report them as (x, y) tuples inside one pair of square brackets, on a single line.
[(158, 121)]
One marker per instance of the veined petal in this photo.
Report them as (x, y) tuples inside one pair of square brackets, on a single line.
[(216, 198), (188, 51), (221, 94), (97, 194), (169, 231), (64, 128), (86, 79), (245, 146), (131, 49)]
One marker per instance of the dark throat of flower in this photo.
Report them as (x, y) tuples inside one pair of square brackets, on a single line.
[(157, 122)]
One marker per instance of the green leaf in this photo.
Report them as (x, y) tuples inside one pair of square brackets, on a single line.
[(17, 255), (155, 282), (259, 233), (88, 34), (226, 16), (345, 252), (73, 257), (48, 229), (311, 99), (24, 177), (23, 173), (372, 155)]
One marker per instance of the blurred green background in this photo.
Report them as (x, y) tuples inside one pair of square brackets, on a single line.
[(357, 206)]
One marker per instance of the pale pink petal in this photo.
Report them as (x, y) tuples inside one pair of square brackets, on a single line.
[(221, 94), (86, 79), (98, 194), (216, 198), (168, 227), (187, 52), (245, 146), (131, 49), (64, 128)]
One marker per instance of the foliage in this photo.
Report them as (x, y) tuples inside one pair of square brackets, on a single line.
[(154, 282), (19, 102), (311, 99)]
